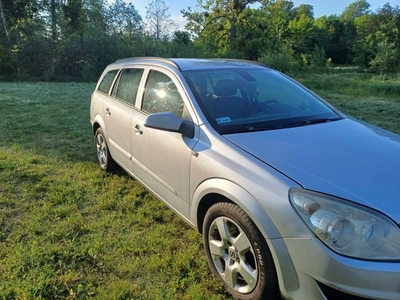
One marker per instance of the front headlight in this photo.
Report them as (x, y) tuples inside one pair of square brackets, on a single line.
[(347, 228)]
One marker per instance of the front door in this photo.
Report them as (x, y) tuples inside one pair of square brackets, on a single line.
[(162, 159)]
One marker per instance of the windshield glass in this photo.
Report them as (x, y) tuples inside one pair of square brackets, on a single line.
[(238, 100)]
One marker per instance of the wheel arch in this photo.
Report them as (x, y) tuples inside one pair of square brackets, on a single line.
[(205, 203), (98, 123), (95, 126), (217, 190)]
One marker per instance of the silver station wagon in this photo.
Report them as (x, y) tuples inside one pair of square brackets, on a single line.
[(293, 198)]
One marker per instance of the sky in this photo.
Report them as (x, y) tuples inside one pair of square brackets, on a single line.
[(321, 7)]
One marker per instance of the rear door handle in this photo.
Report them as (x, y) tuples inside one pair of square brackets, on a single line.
[(137, 129), (108, 112)]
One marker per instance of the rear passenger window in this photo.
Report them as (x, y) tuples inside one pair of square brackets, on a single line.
[(162, 95), (108, 79), (128, 85)]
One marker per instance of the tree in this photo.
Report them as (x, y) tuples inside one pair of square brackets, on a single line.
[(302, 34), (378, 41), (251, 34), (160, 23), (53, 17), (217, 23), (331, 37), (305, 9), (23, 27), (355, 10), (97, 14), (124, 19), (4, 22), (349, 34), (278, 15), (181, 37), (73, 14), (386, 58)]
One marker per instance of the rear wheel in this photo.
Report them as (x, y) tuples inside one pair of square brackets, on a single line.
[(238, 254), (104, 158)]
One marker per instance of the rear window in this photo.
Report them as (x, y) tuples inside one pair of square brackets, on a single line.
[(107, 81), (128, 85)]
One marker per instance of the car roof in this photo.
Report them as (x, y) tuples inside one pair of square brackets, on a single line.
[(187, 64)]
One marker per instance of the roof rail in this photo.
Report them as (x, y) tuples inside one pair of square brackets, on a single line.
[(154, 58)]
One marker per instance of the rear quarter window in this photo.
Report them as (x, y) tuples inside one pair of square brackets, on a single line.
[(107, 81)]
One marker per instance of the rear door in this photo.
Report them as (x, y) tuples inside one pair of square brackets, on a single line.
[(118, 109), (162, 159)]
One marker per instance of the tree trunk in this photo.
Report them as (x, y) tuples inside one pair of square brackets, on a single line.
[(53, 20), (3, 18), (232, 32)]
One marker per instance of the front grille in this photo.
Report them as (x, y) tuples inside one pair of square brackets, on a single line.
[(333, 294)]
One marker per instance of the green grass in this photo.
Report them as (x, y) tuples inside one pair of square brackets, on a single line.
[(71, 231), (353, 83), (363, 96)]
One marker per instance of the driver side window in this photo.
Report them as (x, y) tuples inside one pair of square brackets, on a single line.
[(162, 95)]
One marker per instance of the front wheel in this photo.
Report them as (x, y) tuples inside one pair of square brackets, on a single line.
[(238, 254), (104, 158)]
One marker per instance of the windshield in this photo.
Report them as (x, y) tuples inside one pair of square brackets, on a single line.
[(238, 100)]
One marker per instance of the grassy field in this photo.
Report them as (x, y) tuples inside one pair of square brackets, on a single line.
[(360, 95), (70, 231)]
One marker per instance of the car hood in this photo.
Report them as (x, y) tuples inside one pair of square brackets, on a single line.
[(345, 158)]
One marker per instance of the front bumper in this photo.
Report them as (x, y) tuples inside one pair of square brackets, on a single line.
[(319, 270)]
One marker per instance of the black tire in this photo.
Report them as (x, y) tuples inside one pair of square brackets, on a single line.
[(238, 254), (104, 157)]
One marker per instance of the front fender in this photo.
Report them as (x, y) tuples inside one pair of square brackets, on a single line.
[(240, 197)]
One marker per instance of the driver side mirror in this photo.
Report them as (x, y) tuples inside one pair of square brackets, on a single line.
[(167, 121)]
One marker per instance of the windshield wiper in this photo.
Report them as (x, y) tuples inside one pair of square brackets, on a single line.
[(322, 120), (248, 129), (278, 126), (309, 122)]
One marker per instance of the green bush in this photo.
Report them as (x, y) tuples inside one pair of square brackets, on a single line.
[(318, 57), (280, 60)]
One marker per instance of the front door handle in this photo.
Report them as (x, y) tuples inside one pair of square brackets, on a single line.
[(138, 130)]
